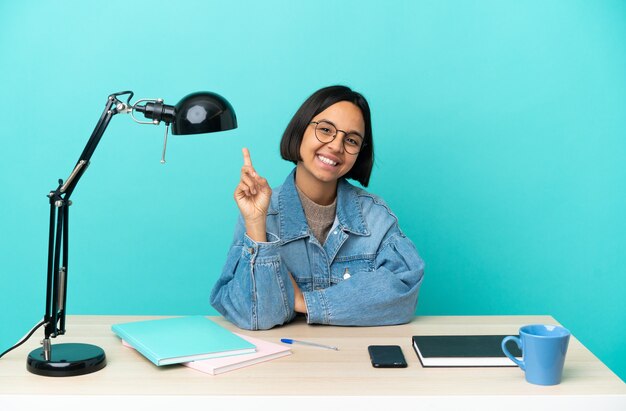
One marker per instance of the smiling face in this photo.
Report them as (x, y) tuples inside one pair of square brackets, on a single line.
[(323, 164)]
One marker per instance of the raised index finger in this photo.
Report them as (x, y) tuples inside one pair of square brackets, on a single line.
[(246, 157)]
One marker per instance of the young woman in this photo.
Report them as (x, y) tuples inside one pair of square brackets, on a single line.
[(317, 245)]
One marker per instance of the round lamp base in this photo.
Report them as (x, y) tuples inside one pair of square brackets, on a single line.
[(67, 360)]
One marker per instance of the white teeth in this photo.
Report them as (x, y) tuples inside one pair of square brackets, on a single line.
[(326, 160)]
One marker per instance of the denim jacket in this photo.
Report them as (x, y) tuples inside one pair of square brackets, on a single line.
[(366, 273)]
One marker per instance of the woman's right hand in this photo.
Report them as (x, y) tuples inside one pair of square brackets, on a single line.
[(253, 195)]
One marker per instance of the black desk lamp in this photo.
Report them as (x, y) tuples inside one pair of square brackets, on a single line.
[(201, 112)]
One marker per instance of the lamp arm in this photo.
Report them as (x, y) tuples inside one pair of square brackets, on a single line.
[(112, 107), (56, 289)]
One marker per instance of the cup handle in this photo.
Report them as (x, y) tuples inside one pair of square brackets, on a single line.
[(521, 364)]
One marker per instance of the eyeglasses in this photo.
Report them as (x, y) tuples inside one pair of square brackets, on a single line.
[(325, 132)]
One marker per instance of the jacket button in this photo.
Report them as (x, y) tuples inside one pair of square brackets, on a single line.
[(346, 276), (251, 250)]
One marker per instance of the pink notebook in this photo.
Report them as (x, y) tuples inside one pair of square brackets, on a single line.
[(265, 351)]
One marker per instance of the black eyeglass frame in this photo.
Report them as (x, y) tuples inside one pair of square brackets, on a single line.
[(363, 144)]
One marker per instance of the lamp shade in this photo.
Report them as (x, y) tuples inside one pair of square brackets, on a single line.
[(203, 112)]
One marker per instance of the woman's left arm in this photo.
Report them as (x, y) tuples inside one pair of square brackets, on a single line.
[(385, 296)]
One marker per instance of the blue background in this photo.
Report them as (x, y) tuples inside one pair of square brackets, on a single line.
[(500, 143)]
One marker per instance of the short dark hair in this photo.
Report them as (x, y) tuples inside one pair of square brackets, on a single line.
[(315, 104)]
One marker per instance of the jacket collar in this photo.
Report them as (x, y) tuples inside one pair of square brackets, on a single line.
[(293, 222)]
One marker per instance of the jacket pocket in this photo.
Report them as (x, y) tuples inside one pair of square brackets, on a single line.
[(345, 267)]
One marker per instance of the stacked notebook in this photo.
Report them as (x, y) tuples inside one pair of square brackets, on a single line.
[(265, 351), (193, 341)]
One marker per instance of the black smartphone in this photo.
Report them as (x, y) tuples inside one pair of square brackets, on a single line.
[(387, 356)]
